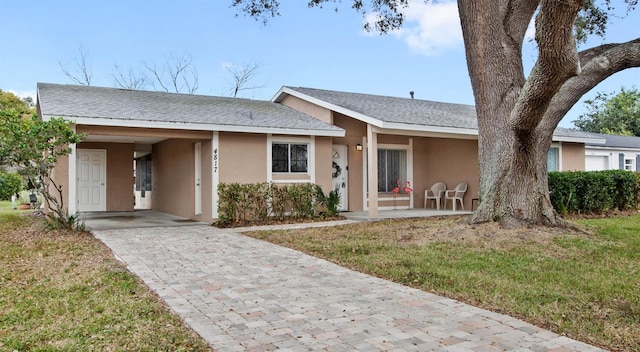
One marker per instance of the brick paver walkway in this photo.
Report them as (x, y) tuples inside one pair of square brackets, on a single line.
[(242, 294)]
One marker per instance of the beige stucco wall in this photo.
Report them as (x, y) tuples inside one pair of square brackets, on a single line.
[(572, 156), (354, 132), (243, 158), (173, 177), (448, 160), (60, 176), (119, 173), (323, 159), (314, 110)]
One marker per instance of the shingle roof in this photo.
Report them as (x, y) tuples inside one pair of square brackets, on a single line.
[(415, 112), (399, 110), (614, 141), (72, 101)]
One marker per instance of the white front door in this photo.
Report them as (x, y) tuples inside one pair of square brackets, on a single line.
[(198, 177), (92, 180), (339, 174)]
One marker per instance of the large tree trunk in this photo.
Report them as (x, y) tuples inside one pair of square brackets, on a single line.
[(512, 143)]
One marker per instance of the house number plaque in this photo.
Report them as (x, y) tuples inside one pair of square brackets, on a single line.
[(215, 160)]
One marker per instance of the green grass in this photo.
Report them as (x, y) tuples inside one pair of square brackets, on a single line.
[(6, 207), (65, 292), (583, 286)]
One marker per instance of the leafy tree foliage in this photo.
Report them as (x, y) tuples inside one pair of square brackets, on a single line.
[(33, 147), (612, 114), (9, 101)]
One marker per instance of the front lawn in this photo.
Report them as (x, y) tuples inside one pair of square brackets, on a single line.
[(586, 286), (66, 292), (6, 207)]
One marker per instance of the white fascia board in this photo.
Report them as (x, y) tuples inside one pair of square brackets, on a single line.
[(427, 131), (611, 149), (284, 91), (198, 126), (578, 140)]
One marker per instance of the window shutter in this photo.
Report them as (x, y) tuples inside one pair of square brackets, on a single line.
[(638, 163), (621, 161)]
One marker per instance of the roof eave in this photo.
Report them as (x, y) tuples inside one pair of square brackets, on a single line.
[(337, 132), (284, 91), (578, 140)]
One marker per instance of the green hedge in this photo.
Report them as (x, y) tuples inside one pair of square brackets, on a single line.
[(257, 203), (593, 192), (10, 184)]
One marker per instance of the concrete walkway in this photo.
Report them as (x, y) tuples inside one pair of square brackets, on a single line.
[(243, 294)]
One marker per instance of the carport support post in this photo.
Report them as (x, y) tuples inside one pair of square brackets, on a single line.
[(72, 195), (372, 171)]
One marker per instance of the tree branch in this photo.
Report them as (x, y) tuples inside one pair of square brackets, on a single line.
[(599, 63), (517, 18), (557, 62)]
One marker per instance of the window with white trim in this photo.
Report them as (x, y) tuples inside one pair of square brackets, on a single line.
[(289, 157), (392, 166), (629, 164)]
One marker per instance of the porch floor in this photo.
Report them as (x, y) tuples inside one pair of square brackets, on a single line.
[(97, 221)]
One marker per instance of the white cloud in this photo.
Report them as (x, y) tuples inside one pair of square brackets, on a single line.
[(531, 30), (226, 65), (430, 28), (24, 94)]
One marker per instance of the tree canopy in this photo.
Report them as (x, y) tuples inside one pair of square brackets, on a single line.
[(33, 147), (10, 101), (612, 114)]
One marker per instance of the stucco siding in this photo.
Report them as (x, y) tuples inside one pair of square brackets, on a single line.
[(173, 177), (573, 157), (323, 159), (311, 109), (448, 160), (61, 177), (354, 132), (243, 158)]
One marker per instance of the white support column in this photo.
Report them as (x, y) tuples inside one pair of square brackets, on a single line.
[(269, 159), (72, 197), (365, 176), (311, 159), (410, 171), (215, 173), (372, 166)]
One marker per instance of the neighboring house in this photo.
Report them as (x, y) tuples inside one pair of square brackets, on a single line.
[(617, 152), (185, 145)]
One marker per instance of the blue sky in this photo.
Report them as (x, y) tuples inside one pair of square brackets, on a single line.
[(318, 48)]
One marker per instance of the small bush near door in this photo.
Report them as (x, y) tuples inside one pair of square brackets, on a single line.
[(259, 203)]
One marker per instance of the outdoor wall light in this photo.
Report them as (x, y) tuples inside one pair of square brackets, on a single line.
[(359, 147)]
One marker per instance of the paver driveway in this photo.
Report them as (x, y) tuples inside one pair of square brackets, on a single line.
[(243, 294)]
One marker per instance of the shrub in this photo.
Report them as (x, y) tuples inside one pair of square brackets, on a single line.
[(593, 191), (10, 184), (240, 204)]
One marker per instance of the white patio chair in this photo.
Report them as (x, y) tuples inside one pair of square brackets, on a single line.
[(456, 194), (435, 194)]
